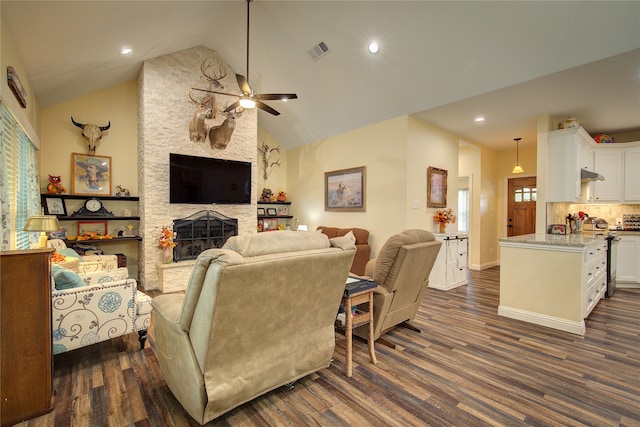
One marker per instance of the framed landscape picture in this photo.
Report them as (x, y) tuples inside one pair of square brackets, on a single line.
[(436, 188), (90, 175), (344, 190)]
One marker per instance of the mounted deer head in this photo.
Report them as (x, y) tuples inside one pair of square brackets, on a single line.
[(219, 136), (205, 108), (213, 80)]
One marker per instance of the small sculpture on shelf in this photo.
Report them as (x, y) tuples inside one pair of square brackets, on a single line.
[(282, 196), (122, 192), (55, 185), (267, 194)]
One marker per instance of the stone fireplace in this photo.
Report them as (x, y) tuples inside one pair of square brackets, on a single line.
[(201, 231), (164, 113)]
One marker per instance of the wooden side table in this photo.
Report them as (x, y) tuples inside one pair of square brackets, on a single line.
[(363, 316)]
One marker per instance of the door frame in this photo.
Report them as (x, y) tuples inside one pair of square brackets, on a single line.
[(505, 198)]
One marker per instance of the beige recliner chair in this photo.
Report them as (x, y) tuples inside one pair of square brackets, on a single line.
[(257, 314), (401, 271)]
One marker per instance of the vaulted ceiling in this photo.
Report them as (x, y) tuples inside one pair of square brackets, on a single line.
[(444, 62)]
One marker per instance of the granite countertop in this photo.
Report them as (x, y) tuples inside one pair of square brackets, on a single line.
[(575, 240)]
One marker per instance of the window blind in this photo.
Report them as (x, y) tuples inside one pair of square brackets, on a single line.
[(18, 183)]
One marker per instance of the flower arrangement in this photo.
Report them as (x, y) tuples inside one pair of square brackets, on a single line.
[(444, 216), (166, 239)]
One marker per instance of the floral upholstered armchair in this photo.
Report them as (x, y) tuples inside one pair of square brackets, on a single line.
[(95, 306)]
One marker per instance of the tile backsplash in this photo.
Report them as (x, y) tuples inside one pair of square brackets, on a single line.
[(557, 212)]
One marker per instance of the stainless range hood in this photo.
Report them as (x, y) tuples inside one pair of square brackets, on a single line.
[(587, 176)]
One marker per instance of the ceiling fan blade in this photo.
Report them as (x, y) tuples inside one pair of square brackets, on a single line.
[(243, 84), (232, 107), (213, 91), (277, 96), (265, 107)]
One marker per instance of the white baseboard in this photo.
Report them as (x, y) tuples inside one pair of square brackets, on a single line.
[(480, 267), (565, 325), (447, 288)]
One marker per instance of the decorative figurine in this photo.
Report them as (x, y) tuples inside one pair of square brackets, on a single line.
[(122, 192), (55, 186), (266, 195), (282, 196)]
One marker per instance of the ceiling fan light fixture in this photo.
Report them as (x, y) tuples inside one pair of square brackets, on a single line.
[(247, 103), (517, 168)]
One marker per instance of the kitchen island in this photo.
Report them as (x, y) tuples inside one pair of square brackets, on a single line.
[(552, 280)]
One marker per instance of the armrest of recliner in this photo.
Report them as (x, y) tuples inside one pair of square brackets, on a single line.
[(370, 268), (167, 330)]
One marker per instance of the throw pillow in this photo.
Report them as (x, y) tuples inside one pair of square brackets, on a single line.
[(65, 278), (351, 236), (70, 253)]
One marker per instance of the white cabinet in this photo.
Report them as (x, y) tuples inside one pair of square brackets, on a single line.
[(554, 281), (608, 162), (570, 150), (632, 175), (450, 268), (628, 259), (595, 275)]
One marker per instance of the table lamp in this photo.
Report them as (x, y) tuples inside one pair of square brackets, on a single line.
[(42, 223)]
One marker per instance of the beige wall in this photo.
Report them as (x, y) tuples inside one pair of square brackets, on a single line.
[(382, 149), (277, 178), (60, 137), (427, 146), (469, 161), (396, 153), (506, 162), (27, 117)]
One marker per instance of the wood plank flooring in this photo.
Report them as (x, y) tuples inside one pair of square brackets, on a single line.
[(468, 367)]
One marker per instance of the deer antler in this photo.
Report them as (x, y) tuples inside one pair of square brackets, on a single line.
[(214, 80), (266, 154)]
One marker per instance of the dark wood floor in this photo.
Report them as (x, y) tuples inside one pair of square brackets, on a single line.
[(468, 367)]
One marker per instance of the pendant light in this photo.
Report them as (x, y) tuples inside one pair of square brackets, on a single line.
[(517, 168)]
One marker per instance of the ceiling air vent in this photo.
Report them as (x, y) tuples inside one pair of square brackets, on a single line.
[(318, 51)]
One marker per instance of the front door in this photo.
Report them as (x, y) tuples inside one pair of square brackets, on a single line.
[(521, 215)]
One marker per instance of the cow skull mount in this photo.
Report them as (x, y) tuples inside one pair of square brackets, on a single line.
[(93, 134)]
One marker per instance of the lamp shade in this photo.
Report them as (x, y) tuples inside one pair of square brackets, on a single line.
[(42, 223)]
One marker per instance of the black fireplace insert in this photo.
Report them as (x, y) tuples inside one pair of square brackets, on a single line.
[(201, 231)]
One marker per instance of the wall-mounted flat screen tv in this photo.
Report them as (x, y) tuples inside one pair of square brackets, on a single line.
[(208, 180)]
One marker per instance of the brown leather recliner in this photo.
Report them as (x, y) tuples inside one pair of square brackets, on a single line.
[(401, 271), (363, 250)]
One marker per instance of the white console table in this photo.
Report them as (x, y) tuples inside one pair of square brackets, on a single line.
[(450, 268)]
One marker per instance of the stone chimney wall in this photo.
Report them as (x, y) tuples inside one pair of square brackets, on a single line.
[(164, 114)]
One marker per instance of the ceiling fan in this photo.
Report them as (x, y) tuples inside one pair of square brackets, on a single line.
[(249, 99)]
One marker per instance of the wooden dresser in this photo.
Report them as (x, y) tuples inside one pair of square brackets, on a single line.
[(26, 383)]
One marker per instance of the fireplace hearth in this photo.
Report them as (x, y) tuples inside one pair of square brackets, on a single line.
[(201, 231)]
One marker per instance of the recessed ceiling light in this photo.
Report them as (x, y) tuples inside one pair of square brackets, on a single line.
[(126, 50), (373, 47), (479, 119)]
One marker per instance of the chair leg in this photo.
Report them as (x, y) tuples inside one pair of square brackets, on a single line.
[(410, 327), (142, 337), (386, 342)]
